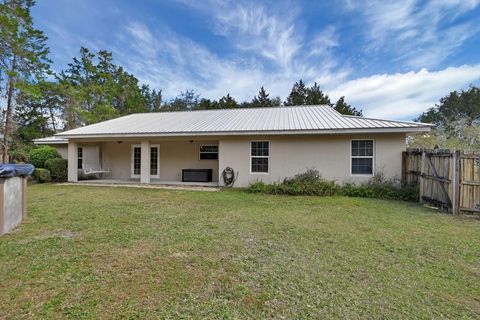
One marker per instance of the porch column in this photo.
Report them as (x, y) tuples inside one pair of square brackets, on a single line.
[(72, 161), (145, 162)]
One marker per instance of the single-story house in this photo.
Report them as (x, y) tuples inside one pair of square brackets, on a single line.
[(267, 144)]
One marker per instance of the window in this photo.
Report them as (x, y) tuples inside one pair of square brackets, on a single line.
[(154, 161), (362, 157), (259, 155), (137, 160), (80, 158), (208, 152)]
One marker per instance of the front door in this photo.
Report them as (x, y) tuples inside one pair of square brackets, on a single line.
[(136, 161)]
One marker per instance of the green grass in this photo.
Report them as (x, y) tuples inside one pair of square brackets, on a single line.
[(89, 252)]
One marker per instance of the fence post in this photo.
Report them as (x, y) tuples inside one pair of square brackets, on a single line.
[(456, 182), (404, 168), (422, 172)]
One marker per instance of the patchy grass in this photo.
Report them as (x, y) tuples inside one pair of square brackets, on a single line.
[(88, 252)]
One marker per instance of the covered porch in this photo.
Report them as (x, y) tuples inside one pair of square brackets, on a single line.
[(173, 161)]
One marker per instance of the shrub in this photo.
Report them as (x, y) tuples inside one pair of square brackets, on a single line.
[(42, 175), (311, 183), (307, 183), (39, 155), (58, 169)]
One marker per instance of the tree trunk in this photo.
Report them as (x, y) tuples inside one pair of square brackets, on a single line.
[(9, 116), (52, 117)]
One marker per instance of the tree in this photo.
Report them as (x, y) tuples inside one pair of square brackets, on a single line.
[(298, 94), (344, 108), (461, 106), (315, 96), (227, 102), (23, 58), (262, 100), (94, 89), (187, 100)]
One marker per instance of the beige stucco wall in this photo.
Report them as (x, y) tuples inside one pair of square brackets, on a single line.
[(290, 155), (62, 149), (174, 156)]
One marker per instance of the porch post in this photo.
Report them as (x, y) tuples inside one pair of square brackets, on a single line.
[(72, 161), (145, 162)]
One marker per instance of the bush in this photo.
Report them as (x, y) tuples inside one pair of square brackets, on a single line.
[(311, 183), (307, 183), (42, 175), (380, 188), (58, 169), (39, 155)]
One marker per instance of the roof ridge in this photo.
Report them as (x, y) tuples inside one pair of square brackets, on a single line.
[(397, 121), (236, 108)]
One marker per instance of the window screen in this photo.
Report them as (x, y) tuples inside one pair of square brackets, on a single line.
[(80, 158), (362, 157), (259, 154), (209, 152)]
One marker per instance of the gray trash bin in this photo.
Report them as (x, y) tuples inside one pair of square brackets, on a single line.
[(13, 195)]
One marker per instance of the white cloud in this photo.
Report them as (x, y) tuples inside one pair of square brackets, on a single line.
[(404, 95), (421, 34)]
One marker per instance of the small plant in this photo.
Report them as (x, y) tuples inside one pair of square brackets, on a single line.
[(58, 169), (42, 175), (39, 155)]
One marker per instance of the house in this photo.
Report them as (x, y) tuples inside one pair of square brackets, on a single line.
[(265, 144)]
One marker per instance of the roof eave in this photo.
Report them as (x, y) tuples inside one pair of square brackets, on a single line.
[(246, 133)]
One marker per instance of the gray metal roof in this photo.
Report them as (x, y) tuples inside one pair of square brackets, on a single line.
[(319, 119)]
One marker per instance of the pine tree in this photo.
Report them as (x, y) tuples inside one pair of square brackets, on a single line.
[(315, 96), (262, 100), (23, 58), (298, 94), (344, 108)]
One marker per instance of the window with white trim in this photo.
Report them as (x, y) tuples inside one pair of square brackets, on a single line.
[(259, 156), (154, 161), (208, 152), (80, 158), (362, 157)]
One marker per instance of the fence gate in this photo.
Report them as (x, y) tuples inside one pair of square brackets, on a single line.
[(447, 179)]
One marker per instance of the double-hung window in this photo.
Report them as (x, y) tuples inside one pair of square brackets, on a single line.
[(259, 156), (362, 157), (80, 158), (208, 152)]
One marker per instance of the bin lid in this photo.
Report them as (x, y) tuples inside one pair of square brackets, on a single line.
[(16, 170)]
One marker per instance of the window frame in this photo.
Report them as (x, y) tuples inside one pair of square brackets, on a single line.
[(80, 150), (132, 150), (207, 145), (252, 156), (363, 157)]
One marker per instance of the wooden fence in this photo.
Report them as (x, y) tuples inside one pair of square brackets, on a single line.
[(447, 179)]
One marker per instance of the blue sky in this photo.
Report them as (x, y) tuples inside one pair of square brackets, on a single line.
[(393, 59)]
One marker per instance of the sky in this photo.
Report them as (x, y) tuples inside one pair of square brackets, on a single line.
[(393, 59)]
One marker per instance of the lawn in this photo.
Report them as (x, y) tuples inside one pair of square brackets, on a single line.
[(98, 252)]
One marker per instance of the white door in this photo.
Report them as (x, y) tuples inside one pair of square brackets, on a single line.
[(136, 161)]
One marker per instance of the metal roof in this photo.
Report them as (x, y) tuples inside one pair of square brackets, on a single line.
[(319, 119), (50, 140)]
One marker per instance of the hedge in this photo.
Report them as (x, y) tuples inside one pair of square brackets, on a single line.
[(42, 175), (38, 156), (58, 169)]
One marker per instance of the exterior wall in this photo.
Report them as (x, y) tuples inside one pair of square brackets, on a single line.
[(174, 156), (330, 155), (62, 149)]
